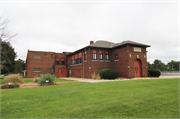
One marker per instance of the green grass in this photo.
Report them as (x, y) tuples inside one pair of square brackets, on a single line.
[(28, 80), (57, 79), (122, 99)]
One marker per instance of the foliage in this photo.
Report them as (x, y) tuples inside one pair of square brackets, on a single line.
[(158, 64), (7, 57), (108, 74), (154, 72), (36, 79), (13, 78), (98, 77), (47, 77), (6, 86), (173, 65), (2, 77), (19, 66), (120, 99), (93, 76)]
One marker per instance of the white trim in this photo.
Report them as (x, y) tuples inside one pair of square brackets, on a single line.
[(101, 60), (116, 60), (107, 60), (94, 60)]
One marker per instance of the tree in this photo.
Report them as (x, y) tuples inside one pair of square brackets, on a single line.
[(149, 65), (173, 65), (7, 51), (7, 57), (19, 66), (157, 64)]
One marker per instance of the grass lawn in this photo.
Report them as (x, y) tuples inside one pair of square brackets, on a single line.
[(158, 98), (58, 80)]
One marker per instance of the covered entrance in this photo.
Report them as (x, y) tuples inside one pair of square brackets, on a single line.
[(137, 68), (62, 73)]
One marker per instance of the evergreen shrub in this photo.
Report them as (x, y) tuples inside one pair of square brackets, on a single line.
[(154, 72), (108, 74)]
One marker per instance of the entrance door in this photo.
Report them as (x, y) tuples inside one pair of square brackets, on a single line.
[(62, 73), (137, 68)]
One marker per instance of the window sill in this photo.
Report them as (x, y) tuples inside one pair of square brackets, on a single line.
[(36, 71), (94, 60), (116, 60), (107, 60), (101, 60), (85, 61), (76, 64)]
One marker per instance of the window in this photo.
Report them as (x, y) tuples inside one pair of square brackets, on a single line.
[(94, 55), (85, 55), (62, 61), (36, 69), (72, 60), (100, 55), (80, 58), (116, 57), (37, 56), (106, 55), (76, 59), (57, 61)]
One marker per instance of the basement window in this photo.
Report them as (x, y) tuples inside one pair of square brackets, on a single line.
[(36, 69)]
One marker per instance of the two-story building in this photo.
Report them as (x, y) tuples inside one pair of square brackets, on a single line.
[(128, 58)]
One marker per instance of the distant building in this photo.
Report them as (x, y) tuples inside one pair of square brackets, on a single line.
[(128, 58)]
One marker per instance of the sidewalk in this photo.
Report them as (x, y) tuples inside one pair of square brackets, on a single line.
[(124, 79)]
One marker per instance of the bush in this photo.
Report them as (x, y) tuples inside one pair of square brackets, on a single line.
[(154, 72), (13, 78), (93, 76), (6, 86), (36, 79), (48, 77), (108, 73)]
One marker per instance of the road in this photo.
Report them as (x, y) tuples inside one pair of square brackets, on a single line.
[(170, 74)]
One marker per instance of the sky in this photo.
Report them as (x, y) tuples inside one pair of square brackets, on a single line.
[(62, 25)]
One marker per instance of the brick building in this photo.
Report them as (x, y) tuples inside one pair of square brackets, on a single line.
[(128, 58)]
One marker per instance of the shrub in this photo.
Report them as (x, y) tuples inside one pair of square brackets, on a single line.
[(6, 86), (48, 77), (108, 73), (154, 72), (36, 79), (98, 77), (93, 76), (13, 78)]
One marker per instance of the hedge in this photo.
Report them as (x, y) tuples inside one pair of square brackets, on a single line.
[(108, 74), (154, 72)]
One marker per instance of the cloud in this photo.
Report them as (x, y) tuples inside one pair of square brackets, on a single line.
[(69, 26)]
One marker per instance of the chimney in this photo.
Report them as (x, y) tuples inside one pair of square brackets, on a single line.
[(91, 42)]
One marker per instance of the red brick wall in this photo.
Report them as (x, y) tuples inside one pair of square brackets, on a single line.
[(124, 65), (44, 63)]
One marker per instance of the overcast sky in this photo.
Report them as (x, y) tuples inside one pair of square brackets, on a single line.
[(59, 26)]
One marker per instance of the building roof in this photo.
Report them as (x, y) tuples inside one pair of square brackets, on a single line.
[(109, 45)]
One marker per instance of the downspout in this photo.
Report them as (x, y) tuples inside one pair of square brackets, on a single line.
[(90, 61), (51, 63), (83, 64)]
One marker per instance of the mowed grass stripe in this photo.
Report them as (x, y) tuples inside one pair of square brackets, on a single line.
[(123, 99)]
